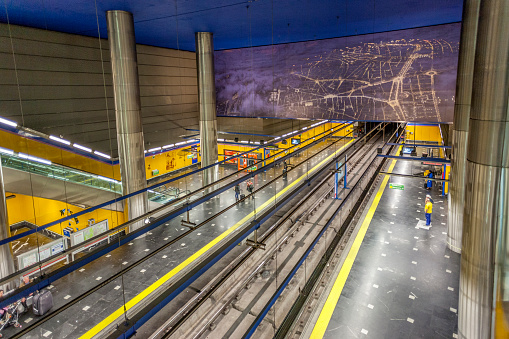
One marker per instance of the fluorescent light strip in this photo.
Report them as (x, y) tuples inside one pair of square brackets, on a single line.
[(180, 143), (63, 141), (169, 146), (220, 140), (244, 142), (108, 179), (83, 148), (192, 140), (29, 157), (154, 149), (8, 122), (6, 151), (102, 155)]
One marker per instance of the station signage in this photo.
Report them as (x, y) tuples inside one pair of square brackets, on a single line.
[(397, 186)]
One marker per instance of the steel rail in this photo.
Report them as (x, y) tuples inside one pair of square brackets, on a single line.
[(296, 309), (158, 221), (122, 240), (264, 237), (127, 329), (286, 281)]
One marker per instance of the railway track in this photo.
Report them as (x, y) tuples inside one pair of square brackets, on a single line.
[(256, 270)]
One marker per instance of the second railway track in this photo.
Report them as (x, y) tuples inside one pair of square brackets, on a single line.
[(231, 301)]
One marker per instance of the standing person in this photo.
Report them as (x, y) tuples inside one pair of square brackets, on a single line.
[(237, 192), (428, 209), (284, 173), (429, 182), (250, 187)]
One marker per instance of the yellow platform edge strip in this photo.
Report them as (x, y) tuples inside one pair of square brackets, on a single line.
[(120, 311), (337, 288)]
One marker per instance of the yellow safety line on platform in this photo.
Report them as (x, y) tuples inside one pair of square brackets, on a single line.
[(119, 312), (337, 288)]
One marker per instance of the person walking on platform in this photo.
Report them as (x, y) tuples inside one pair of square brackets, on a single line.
[(237, 192), (250, 187), (428, 209)]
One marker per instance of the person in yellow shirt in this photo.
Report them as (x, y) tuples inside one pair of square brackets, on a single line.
[(428, 209)]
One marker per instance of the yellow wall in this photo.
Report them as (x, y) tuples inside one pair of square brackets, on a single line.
[(167, 162), (424, 133), (306, 137), (57, 155), (164, 162), (41, 211), (447, 171)]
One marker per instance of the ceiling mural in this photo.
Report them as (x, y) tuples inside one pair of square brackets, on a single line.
[(405, 75)]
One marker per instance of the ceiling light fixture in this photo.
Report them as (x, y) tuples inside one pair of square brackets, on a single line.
[(83, 148), (29, 157), (6, 151), (8, 122), (63, 141), (102, 155)]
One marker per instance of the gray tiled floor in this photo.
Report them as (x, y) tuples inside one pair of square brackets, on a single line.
[(415, 295)]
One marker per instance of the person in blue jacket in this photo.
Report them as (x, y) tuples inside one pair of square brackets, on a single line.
[(429, 182)]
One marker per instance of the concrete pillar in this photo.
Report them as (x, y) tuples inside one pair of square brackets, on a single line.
[(487, 173), (128, 111), (207, 102), (6, 256), (461, 119)]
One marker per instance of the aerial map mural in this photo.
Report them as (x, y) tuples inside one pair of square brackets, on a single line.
[(407, 75)]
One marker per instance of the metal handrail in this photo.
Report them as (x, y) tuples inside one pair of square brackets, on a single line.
[(124, 197)]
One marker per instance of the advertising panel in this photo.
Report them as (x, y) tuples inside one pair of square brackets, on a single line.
[(228, 154)]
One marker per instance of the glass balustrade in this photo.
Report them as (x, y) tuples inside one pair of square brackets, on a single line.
[(160, 195)]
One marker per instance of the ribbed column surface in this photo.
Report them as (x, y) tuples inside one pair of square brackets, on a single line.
[(207, 103), (485, 214), (6, 257), (461, 119), (126, 93)]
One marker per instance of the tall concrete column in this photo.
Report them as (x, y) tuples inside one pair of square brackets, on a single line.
[(126, 91), (6, 256), (207, 102), (487, 174), (461, 119)]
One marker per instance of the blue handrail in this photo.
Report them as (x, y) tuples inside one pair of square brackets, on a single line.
[(127, 196)]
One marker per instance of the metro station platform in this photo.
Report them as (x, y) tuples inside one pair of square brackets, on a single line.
[(96, 309), (404, 281)]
